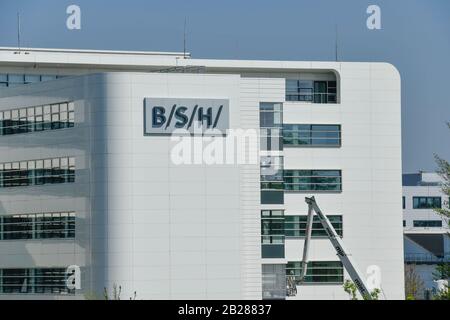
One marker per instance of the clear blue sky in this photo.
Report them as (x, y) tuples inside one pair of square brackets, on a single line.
[(415, 37)]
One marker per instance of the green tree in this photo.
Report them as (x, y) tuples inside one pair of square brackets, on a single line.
[(442, 272), (414, 285), (352, 290), (115, 295), (444, 172), (443, 294)]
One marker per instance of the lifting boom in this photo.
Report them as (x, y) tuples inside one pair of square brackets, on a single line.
[(337, 243)]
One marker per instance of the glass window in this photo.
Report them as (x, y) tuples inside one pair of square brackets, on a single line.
[(311, 135), (313, 180), (271, 122), (15, 114), (275, 226), (34, 281), (31, 78), (48, 77), (15, 281), (427, 223), (271, 173), (317, 272), (63, 107), (274, 281), (59, 225), (47, 109), (426, 202), (16, 227), (37, 118), (272, 226), (271, 115), (38, 172), (311, 91), (271, 139), (16, 79), (299, 90), (12, 80), (50, 281), (295, 226), (39, 110)]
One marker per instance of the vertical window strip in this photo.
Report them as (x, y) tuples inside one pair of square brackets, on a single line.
[(272, 227)]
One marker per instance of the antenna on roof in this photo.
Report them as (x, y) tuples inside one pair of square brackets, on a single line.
[(184, 38), (336, 44), (18, 33)]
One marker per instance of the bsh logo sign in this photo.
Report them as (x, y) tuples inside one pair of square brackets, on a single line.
[(166, 115)]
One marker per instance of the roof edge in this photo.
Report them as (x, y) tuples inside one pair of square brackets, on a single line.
[(56, 50)]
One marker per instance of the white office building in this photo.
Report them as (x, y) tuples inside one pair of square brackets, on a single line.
[(89, 179), (426, 233)]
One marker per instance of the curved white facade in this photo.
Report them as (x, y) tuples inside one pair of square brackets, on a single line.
[(169, 231)]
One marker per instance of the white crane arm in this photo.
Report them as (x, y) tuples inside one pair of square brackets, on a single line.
[(337, 243)]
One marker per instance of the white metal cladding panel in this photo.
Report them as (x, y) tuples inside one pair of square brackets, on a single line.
[(187, 236), (370, 160)]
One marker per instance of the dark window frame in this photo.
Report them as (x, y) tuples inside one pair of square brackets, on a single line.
[(299, 180), (37, 172), (309, 135), (318, 272), (49, 281), (38, 226), (309, 91), (317, 231), (37, 118), (427, 223), (423, 202)]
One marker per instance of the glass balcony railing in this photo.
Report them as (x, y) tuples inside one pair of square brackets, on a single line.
[(426, 258)]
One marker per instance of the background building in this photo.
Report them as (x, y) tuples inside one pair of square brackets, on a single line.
[(82, 184), (427, 238)]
